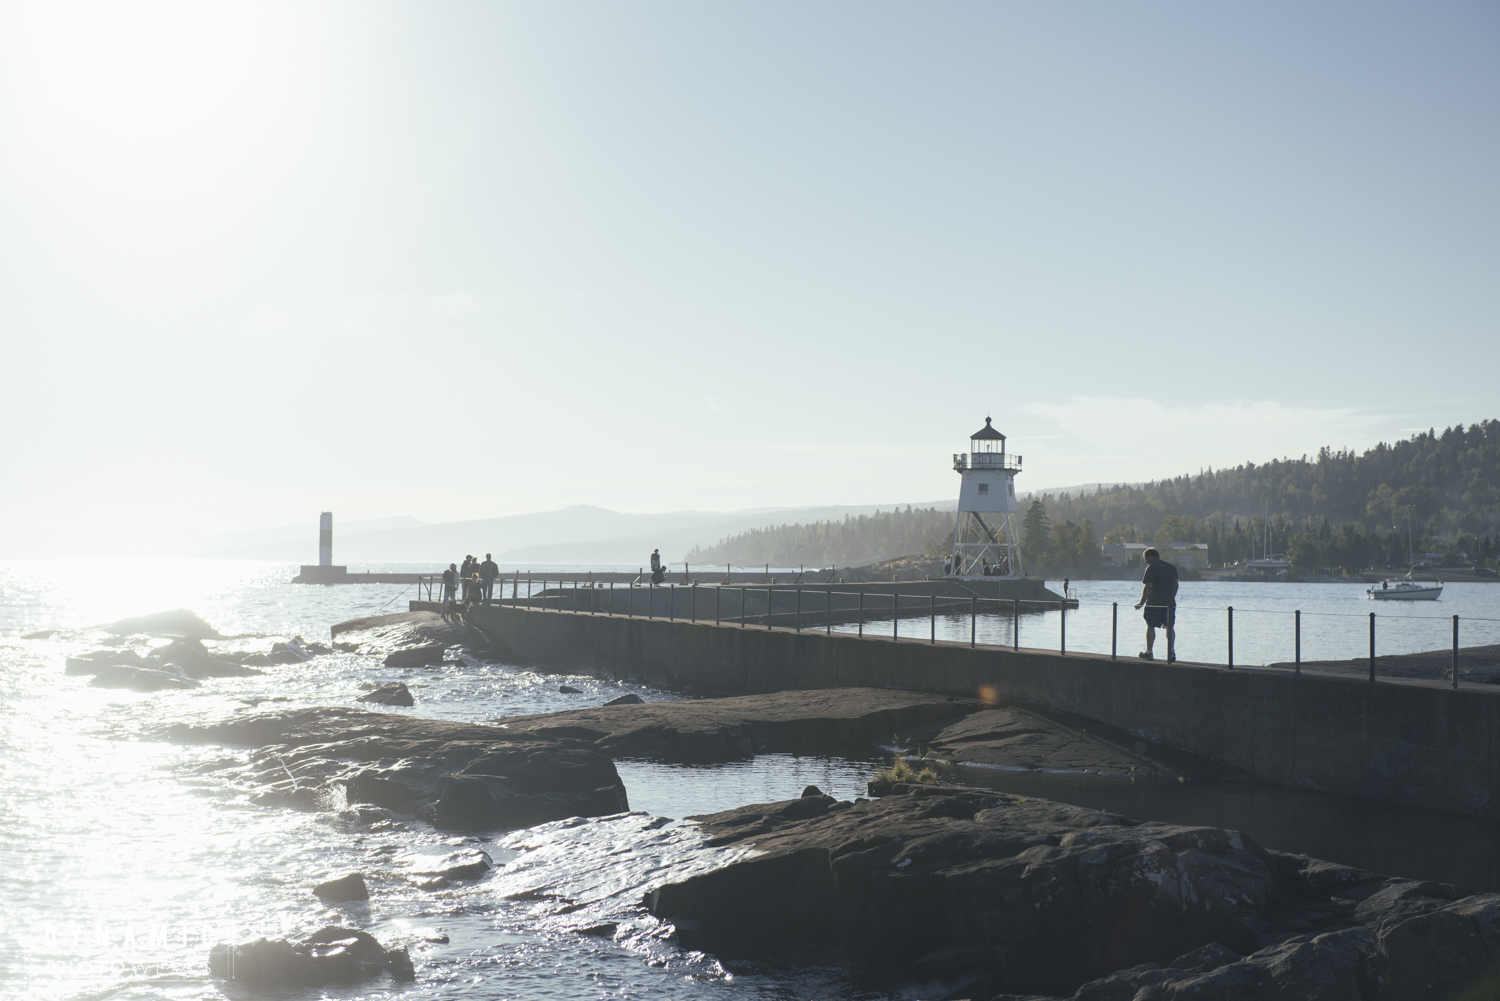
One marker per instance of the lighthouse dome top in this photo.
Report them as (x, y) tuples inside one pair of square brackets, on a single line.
[(987, 433)]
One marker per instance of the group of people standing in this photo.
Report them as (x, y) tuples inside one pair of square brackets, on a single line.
[(471, 583), (955, 565)]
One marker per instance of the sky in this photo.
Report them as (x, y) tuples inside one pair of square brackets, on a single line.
[(463, 260)]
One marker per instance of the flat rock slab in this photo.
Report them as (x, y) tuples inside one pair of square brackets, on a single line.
[(384, 634), (460, 776), (1026, 897), (704, 730), (1479, 664), (1016, 738), (178, 622)]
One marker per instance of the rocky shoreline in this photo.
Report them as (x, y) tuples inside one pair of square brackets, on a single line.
[(1029, 898)]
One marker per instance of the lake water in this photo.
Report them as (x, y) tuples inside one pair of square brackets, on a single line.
[(124, 858)]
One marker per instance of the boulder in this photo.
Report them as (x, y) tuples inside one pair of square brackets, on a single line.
[(1036, 898), (378, 635), (456, 867), (179, 622), (331, 955), (142, 679), (40, 634), (343, 889), (394, 694), (293, 651), (196, 662), (630, 699), (461, 776), (417, 656), (569, 690), (90, 663)]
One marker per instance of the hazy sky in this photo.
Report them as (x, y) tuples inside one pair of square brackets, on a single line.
[(461, 260)]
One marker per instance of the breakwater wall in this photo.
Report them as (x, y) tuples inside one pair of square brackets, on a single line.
[(1414, 743)]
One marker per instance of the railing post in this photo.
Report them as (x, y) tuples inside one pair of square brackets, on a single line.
[(671, 603), (1062, 619), (630, 600), (861, 614), (828, 612), (1231, 637), (1114, 631), (973, 622), (743, 602), (932, 614), (769, 599), (797, 618), (718, 593), (1015, 623), (1455, 651), (610, 601), (895, 618), (1372, 646), (694, 595), (1297, 617), (651, 601)]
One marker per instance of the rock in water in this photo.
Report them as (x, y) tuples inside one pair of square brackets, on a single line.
[(464, 776), (631, 699), (398, 964), (40, 634), (381, 634), (1038, 898), (331, 955), (141, 679), (343, 889), (179, 622), (394, 694), (569, 690), (417, 656), (458, 866), (196, 662)]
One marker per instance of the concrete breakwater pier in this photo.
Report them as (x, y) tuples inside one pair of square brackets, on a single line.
[(1410, 742)]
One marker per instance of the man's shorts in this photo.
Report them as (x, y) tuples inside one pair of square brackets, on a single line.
[(1161, 616)]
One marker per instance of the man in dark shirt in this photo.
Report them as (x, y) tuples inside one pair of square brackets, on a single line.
[(450, 584), (487, 574), (1159, 595)]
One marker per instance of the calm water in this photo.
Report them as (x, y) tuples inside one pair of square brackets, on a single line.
[(1335, 621), (122, 858)]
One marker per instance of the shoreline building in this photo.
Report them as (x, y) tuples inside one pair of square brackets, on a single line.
[(986, 534)]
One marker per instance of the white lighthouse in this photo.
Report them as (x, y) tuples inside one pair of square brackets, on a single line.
[(986, 534), (325, 539)]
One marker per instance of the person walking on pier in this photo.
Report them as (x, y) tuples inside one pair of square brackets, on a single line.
[(948, 565), (487, 574), (1159, 595), (450, 585)]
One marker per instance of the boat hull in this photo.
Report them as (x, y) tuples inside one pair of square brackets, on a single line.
[(1423, 594)]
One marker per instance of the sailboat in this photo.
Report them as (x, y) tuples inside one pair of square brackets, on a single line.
[(1272, 564), (1408, 589)]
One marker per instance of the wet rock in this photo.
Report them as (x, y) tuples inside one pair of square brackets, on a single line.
[(569, 690), (460, 866), (40, 634), (332, 955), (605, 930), (141, 679), (196, 662), (394, 694), (90, 663), (730, 729), (457, 775), (293, 651), (811, 791), (179, 622), (630, 699), (398, 964), (1046, 899), (418, 656), (343, 889), (378, 635)]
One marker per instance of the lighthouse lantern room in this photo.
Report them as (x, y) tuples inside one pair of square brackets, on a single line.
[(985, 539)]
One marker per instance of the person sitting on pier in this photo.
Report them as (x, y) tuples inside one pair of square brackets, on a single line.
[(475, 590), (1159, 595), (658, 572), (450, 585), (488, 571)]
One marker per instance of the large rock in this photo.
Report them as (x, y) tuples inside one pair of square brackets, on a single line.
[(379, 635), (142, 679), (343, 889), (706, 730), (1029, 897), (394, 694), (197, 662), (179, 622), (331, 955), (457, 775), (415, 656)]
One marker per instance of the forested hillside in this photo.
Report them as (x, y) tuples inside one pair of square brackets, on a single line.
[(1335, 509), (866, 539)]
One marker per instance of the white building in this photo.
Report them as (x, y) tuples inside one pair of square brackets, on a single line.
[(987, 533)]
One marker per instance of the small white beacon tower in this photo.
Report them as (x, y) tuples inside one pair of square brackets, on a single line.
[(986, 534), (325, 539)]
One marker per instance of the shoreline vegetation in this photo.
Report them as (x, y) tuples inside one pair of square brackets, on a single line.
[(1334, 515)]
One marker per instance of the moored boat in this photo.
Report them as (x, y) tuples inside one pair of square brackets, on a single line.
[(1406, 590)]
